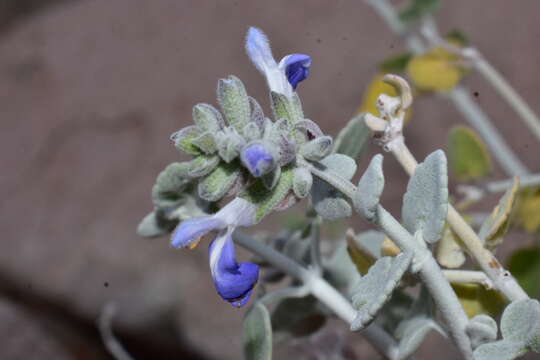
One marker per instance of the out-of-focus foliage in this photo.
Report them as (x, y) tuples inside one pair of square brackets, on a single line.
[(524, 264), (528, 212), (468, 156), (476, 300)]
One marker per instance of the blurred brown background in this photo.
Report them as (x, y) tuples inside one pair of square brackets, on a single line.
[(90, 91)]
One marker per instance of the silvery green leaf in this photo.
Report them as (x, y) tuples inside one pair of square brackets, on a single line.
[(425, 203), (252, 132), (271, 179), (317, 148), (153, 225), (203, 165), (412, 331), (171, 182), (353, 138), (500, 350), (278, 130), (375, 289), (370, 188), (207, 118), (340, 164), (287, 151), (267, 200), (257, 334), (481, 329), (413, 335), (206, 142), (286, 108), (216, 185), (229, 144), (520, 322), (340, 270), (234, 102), (257, 115), (327, 201), (302, 182), (309, 127), (183, 140)]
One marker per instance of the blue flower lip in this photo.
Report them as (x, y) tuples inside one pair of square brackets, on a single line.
[(258, 158), (234, 282), (296, 68)]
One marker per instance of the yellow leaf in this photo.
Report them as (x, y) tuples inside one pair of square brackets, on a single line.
[(433, 72), (493, 229), (528, 210), (362, 258), (476, 299), (388, 248)]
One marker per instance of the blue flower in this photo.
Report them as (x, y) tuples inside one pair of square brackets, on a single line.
[(284, 77), (234, 282), (259, 158), (296, 67)]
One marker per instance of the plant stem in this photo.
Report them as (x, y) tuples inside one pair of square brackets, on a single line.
[(502, 280), (112, 344), (288, 292), (474, 114), (322, 290), (315, 245), (429, 270), (505, 90), (468, 277), (524, 182)]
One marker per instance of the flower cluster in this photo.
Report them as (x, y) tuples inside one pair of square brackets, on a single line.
[(240, 152)]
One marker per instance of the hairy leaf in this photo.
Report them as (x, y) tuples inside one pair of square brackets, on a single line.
[(353, 139), (375, 288), (258, 334), (234, 102), (216, 185), (426, 201), (370, 188)]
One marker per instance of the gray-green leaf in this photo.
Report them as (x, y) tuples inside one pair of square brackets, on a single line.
[(500, 350), (152, 226), (203, 165), (183, 139), (481, 329), (370, 188), (206, 142), (317, 148), (207, 118), (425, 203), (375, 288), (521, 322), (286, 108), (258, 334), (353, 138), (302, 182), (216, 185), (234, 102), (266, 200)]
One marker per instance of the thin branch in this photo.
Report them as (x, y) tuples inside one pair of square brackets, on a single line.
[(502, 280), (322, 290), (110, 341), (468, 277), (511, 164), (429, 270)]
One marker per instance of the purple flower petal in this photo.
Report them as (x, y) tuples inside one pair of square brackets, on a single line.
[(296, 68), (189, 232), (258, 159), (234, 282)]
